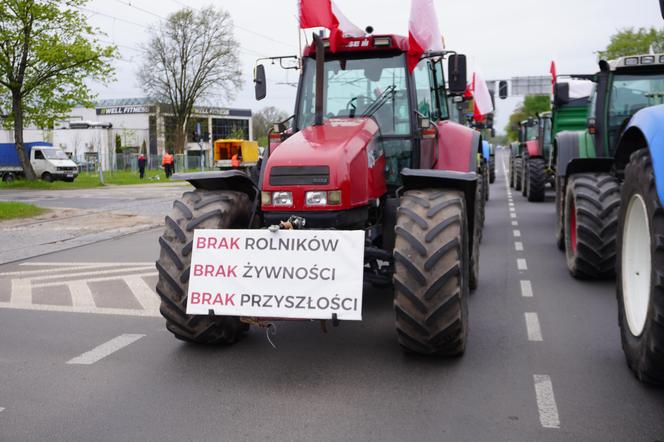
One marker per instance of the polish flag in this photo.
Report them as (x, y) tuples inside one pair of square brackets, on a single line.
[(326, 14), (423, 32), (481, 96), (552, 71)]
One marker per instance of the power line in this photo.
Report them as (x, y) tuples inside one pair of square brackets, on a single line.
[(128, 3)]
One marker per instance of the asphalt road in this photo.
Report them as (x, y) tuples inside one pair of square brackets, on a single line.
[(87, 358)]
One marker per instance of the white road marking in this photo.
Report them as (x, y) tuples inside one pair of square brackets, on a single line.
[(93, 273), (521, 264), (518, 246), (517, 233), (533, 327), (88, 268), (85, 264), (101, 279), (1, 409), (70, 309), (515, 223), (81, 296), (21, 291), (546, 401), (512, 215), (526, 289), (148, 299), (512, 209), (105, 349), (511, 204)]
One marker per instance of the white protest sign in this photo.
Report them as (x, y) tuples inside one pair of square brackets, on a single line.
[(307, 274)]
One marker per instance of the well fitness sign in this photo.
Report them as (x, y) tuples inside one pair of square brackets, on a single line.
[(308, 274)]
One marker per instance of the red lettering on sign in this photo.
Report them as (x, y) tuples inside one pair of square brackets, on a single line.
[(211, 242), (200, 243), (235, 243), (198, 270), (229, 299), (206, 298), (195, 298)]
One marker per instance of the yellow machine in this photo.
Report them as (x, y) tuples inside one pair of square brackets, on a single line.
[(230, 154)]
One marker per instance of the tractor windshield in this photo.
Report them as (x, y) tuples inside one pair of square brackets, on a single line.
[(546, 129), (629, 94), (359, 87)]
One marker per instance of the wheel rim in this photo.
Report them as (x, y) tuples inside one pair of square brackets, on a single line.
[(572, 226), (636, 265)]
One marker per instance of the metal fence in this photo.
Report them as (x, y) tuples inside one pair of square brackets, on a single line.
[(129, 162)]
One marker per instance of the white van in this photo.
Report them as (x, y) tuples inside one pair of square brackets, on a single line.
[(52, 163)]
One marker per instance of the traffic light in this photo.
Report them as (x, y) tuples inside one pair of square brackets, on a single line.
[(502, 89)]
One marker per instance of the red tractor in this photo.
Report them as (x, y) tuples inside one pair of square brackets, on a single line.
[(370, 147)]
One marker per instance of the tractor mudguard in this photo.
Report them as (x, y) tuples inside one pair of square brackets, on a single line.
[(444, 179), (572, 145), (645, 129), (220, 180), (458, 147)]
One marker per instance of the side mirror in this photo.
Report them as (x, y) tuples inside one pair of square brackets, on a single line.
[(260, 84), (456, 74), (592, 125), (661, 7), (561, 94), (423, 121), (502, 88)]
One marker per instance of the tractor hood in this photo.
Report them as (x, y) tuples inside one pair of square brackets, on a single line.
[(325, 158), (334, 142)]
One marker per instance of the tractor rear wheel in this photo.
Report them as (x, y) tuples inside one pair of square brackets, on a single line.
[(524, 175), (560, 217), (492, 169), (536, 184), (200, 209), (640, 281), (486, 182), (431, 272), (511, 172), (591, 206)]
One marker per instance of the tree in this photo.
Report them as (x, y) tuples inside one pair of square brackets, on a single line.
[(261, 121), (631, 42), (190, 54), (48, 56), (532, 105)]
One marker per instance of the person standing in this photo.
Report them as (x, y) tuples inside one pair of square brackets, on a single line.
[(167, 163), (141, 165)]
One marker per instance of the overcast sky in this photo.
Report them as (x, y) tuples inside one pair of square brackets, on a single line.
[(502, 38)]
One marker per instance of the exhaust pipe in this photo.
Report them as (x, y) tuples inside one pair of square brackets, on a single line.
[(320, 68)]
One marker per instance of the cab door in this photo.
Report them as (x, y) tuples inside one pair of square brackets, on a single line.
[(428, 108), (38, 161)]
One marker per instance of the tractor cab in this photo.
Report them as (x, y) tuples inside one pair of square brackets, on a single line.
[(368, 79)]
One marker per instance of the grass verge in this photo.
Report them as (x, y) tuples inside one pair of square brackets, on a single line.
[(88, 180), (10, 210)]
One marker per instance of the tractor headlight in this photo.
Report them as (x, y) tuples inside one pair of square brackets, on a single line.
[(283, 199), (334, 197), (317, 198)]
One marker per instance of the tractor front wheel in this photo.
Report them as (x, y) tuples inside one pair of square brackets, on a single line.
[(431, 272), (518, 170), (200, 209), (591, 206), (640, 283)]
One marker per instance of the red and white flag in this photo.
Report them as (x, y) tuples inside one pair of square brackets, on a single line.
[(552, 71), (423, 32), (481, 97), (326, 14)]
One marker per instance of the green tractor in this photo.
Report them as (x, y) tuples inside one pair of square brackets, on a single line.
[(610, 187)]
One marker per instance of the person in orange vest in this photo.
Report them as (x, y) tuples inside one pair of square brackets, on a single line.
[(235, 161), (167, 163)]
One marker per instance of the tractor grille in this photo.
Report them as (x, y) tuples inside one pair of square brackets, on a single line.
[(299, 175)]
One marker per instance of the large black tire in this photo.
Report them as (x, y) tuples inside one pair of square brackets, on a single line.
[(492, 169), (524, 175), (536, 185), (478, 233), (560, 217), (431, 272), (511, 172), (643, 346), (47, 177), (200, 209), (486, 182), (518, 171), (480, 200), (591, 206)]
